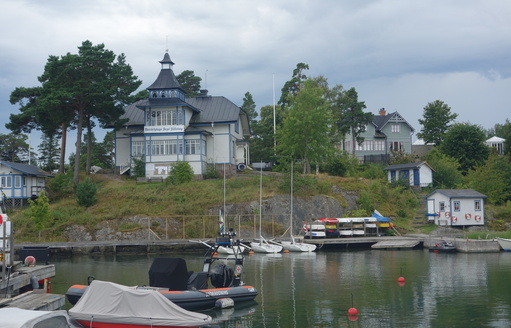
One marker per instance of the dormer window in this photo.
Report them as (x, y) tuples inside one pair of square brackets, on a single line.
[(163, 94), (155, 95)]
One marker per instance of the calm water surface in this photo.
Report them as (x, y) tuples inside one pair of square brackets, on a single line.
[(316, 290)]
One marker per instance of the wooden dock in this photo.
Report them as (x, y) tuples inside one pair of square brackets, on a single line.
[(386, 242), (23, 276), (35, 300)]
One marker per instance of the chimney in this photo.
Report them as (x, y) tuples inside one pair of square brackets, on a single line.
[(382, 112), (203, 92)]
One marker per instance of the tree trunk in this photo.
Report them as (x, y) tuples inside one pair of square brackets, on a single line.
[(63, 148), (78, 146), (89, 147)]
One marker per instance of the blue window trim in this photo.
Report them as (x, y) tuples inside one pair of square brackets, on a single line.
[(480, 205), (454, 206)]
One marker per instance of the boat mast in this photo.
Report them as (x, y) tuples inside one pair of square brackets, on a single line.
[(260, 203), (291, 216)]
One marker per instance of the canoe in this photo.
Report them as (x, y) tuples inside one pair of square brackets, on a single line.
[(504, 243)]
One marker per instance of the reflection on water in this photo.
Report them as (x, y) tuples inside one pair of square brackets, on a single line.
[(315, 289)]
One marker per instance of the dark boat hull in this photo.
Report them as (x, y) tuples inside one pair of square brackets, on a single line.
[(192, 300)]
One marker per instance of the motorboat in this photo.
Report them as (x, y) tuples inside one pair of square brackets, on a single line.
[(443, 246), (194, 290), (12, 317), (107, 304), (504, 243)]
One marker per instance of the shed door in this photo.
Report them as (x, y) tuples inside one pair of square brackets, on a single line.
[(431, 206), (416, 177)]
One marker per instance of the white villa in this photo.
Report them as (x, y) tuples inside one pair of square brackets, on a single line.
[(168, 127)]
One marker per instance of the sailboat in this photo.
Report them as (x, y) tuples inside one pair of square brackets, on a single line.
[(263, 246), (292, 245)]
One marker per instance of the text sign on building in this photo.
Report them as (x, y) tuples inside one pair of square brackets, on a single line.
[(164, 129)]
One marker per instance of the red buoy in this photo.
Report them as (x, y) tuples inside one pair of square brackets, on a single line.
[(401, 279), (352, 311)]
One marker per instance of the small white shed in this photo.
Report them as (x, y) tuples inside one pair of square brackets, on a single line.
[(417, 174), (456, 207)]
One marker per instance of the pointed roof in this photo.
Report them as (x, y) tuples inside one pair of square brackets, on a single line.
[(26, 169), (380, 121), (166, 79)]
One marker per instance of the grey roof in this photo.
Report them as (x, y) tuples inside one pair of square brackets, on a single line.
[(380, 121), (214, 109), (208, 109), (459, 193), (406, 166), (26, 169), (165, 80), (163, 102)]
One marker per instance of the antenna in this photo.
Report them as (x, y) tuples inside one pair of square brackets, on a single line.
[(206, 80), (167, 44)]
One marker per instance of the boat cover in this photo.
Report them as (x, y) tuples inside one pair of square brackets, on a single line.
[(20, 318), (113, 303), (169, 272)]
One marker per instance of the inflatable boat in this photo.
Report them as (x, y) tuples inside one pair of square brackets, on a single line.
[(191, 290)]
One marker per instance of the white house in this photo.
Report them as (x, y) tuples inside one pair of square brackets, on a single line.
[(19, 182), (416, 174), (456, 207), (168, 127), (497, 143)]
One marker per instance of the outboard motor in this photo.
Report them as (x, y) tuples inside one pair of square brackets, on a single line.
[(221, 276)]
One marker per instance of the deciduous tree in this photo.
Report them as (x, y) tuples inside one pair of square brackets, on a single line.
[(305, 131), (465, 143), (437, 119)]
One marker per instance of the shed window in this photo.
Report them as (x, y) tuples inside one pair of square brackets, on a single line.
[(442, 206), (477, 205), (456, 205)]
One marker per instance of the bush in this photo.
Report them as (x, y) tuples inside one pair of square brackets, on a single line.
[(211, 172), (139, 169), (39, 211), (61, 186), (181, 172), (86, 193)]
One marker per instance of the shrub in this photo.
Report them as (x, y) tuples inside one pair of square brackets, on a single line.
[(181, 172), (39, 211), (139, 168), (211, 172), (86, 193), (60, 186)]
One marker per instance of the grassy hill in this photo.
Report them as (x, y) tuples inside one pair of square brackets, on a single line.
[(121, 197)]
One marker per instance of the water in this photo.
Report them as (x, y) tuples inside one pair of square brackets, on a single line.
[(316, 290)]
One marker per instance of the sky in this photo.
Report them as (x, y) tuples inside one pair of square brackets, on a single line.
[(398, 54)]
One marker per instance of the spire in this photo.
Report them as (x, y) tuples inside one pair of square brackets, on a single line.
[(166, 80), (166, 62)]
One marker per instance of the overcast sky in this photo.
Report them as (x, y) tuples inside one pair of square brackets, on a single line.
[(398, 54)]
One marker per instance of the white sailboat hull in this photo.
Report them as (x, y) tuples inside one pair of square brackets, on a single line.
[(298, 247), (265, 248)]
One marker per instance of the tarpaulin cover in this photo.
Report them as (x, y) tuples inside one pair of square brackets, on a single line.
[(20, 318), (169, 272), (380, 218), (113, 303)]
